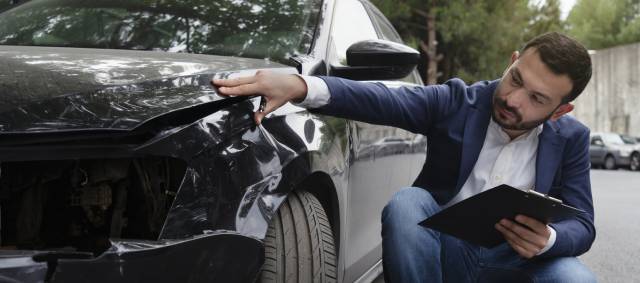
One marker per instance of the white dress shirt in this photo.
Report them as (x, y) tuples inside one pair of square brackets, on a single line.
[(501, 160)]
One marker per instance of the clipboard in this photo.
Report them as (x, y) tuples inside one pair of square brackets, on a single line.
[(473, 219)]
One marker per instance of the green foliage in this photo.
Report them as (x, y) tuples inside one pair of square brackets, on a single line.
[(475, 37), (546, 18), (478, 37), (604, 23)]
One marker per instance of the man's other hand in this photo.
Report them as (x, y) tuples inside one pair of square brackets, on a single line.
[(527, 236), (276, 88)]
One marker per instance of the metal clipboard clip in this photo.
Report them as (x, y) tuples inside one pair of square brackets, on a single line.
[(531, 191)]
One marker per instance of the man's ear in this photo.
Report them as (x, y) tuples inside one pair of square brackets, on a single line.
[(562, 109), (514, 56)]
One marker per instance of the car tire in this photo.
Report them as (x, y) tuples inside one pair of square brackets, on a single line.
[(609, 163), (299, 243), (634, 163)]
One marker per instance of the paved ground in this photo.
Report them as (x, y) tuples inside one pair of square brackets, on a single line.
[(615, 255)]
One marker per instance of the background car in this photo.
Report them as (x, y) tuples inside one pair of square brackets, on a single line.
[(634, 163), (120, 163), (610, 151)]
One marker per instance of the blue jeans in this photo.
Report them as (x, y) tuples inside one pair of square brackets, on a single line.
[(412, 253)]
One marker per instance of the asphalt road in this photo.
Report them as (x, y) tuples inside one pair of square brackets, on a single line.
[(615, 255)]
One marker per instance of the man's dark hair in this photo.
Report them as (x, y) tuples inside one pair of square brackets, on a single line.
[(564, 55)]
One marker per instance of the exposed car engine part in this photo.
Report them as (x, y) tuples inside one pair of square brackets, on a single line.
[(77, 205)]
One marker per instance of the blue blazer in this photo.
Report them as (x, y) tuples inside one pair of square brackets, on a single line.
[(454, 117)]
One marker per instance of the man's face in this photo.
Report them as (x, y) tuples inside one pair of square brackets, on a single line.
[(529, 93)]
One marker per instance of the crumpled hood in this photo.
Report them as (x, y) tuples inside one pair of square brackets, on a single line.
[(46, 89)]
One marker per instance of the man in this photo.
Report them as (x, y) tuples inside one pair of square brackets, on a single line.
[(512, 131)]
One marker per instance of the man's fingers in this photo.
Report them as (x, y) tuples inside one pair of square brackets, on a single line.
[(525, 233), (242, 90), (509, 235), (234, 82), (532, 223), (271, 106)]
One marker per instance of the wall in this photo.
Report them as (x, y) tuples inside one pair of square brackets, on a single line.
[(611, 101)]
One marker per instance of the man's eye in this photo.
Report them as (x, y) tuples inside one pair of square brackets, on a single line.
[(516, 82), (536, 99)]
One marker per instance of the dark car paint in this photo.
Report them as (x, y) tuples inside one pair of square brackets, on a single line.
[(195, 259), (57, 89), (237, 173)]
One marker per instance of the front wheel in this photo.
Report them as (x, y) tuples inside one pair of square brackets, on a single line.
[(299, 243), (609, 163), (634, 164)]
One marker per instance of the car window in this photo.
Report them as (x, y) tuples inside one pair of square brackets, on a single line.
[(386, 31), (351, 24), (595, 139), (628, 139), (612, 139), (383, 27), (274, 30)]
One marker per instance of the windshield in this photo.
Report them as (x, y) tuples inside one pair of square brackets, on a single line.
[(612, 139), (628, 139), (273, 29)]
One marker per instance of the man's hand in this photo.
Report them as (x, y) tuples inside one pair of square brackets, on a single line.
[(527, 236), (276, 88)]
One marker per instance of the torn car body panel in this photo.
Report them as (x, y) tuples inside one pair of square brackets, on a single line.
[(236, 175)]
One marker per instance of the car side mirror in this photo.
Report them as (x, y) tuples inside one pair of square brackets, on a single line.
[(377, 60)]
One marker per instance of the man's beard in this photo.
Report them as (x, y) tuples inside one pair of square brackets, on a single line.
[(519, 125)]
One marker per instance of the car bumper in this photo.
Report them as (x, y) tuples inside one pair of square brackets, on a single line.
[(623, 161), (223, 257)]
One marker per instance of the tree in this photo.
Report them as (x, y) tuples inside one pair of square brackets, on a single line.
[(474, 38), (602, 23), (546, 18)]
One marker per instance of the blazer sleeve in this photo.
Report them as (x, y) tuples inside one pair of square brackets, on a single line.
[(574, 236), (411, 108)]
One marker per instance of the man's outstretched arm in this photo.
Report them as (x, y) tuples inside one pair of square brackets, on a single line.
[(410, 108)]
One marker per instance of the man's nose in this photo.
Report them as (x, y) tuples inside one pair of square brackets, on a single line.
[(517, 98)]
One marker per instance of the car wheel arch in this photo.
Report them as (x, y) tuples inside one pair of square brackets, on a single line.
[(321, 185), (323, 188), (303, 235)]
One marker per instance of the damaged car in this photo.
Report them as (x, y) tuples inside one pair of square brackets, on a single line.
[(119, 162)]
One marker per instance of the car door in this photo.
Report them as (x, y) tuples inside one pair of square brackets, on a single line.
[(382, 160), (597, 150), (417, 144)]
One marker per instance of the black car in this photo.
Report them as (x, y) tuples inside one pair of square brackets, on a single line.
[(120, 163)]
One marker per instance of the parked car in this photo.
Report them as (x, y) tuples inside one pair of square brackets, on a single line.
[(120, 163), (610, 151), (634, 163), (387, 146)]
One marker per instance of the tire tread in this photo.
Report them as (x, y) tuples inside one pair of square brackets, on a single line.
[(299, 244)]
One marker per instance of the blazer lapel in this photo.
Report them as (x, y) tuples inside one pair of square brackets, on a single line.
[(475, 131), (550, 146)]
